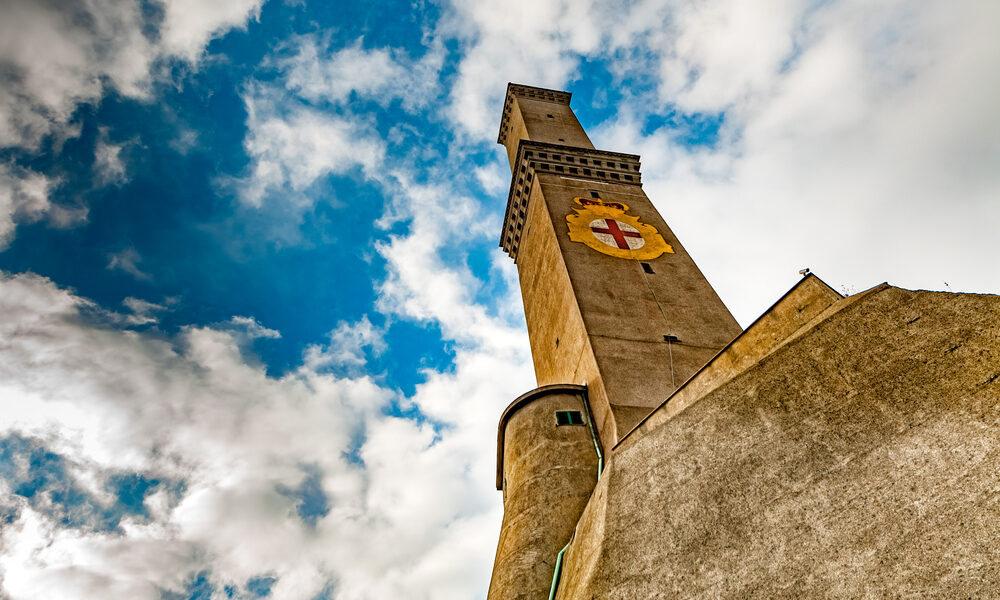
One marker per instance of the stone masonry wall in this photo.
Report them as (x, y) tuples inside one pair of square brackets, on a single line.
[(861, 460)]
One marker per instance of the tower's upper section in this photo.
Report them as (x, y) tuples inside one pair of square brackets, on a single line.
[(542, 135), (539, 115)]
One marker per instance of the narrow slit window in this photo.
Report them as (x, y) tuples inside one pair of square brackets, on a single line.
[(568, 417)]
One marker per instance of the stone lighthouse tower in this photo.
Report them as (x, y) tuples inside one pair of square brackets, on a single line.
[(618, 317)]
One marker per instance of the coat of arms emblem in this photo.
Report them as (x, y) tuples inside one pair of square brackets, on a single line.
[(605, 227)]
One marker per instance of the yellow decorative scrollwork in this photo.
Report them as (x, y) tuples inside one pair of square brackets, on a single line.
[(604, 226)]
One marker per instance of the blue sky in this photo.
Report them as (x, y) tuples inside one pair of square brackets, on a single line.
[(256, 331)]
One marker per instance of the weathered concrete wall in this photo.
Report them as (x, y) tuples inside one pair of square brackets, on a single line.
[(859, 460), (548, 474)]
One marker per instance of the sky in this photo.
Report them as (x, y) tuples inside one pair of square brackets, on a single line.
[(255, 329)]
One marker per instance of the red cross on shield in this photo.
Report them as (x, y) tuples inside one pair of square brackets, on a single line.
[(617, 234)]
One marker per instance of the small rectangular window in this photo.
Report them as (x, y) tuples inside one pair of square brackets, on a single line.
[(568, 417), (594, 194), (647, 268)]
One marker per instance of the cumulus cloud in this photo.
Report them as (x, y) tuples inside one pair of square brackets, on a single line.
[(291, 146), (302, 482), (423, 280), (54, 56), (523, 41), (379, 74), (25, 198), (850, 149), (57, 55), (188, 25), (294, 146), (347, 346)]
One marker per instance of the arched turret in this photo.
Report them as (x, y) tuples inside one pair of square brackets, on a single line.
[(547, 468)]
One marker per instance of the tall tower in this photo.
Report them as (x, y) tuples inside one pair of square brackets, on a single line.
[(612, 301), (611, 297)]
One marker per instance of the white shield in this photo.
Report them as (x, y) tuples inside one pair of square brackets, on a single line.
[(617, 234)]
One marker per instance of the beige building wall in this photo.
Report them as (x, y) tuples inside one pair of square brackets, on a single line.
[(856, 460)]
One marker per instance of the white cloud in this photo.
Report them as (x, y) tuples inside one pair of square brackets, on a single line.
[(252, 329), (127, 260), (426, 276), (492, 177), (143, 312), (108, 166), (191, 409), (56, 55), (380, 74), (24, 198), (346, 347), (522, 41), (868, 154), (189, 25), (291, 146)]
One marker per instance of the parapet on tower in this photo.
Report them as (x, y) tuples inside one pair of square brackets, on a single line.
[(618, 317)]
